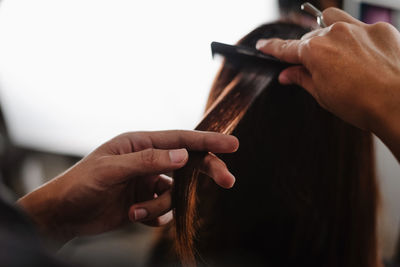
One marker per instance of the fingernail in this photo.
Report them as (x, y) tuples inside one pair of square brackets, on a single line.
[(233, 179), (261, 43), (177, 155), (140, 214)]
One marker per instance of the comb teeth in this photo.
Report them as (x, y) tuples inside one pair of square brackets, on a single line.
[(242, 56)]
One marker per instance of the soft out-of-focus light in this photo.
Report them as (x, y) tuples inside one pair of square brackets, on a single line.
[(75, 73)]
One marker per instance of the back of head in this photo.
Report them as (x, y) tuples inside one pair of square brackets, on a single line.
[(305, 193)]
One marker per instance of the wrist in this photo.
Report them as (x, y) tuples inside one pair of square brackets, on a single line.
[(42, 206)]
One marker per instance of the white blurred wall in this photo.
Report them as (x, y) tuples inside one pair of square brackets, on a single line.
[(388, 173), (74, 73)]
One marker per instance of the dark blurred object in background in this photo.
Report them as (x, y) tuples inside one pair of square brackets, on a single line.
[(22, 169), (289, 6)]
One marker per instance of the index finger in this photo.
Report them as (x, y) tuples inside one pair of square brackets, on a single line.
[(191, 140), (332, 15), (285, 50)]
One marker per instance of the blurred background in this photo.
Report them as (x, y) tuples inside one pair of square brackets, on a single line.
[(75, 73)]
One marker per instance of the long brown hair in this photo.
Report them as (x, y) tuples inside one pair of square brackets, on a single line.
[(305, 193)]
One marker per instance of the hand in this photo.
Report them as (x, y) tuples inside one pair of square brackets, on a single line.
[(122, 180), (352, 69)]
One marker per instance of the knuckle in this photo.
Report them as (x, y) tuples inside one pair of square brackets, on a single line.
[(158, 208), (207, 160), (122, 135), (149, 157), (207, 142), (340, 27), (302, 52), (383, 26), (316, 47), (330, 11), (180, 135), (308, 35), (304, 49), (223, 164), (181, 132), (282, 47), (284, 44), (312, 44)]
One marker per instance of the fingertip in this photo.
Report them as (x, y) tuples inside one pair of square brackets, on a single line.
[(228, 181), (160, 221), (137, 214), (261, 43), (165, 219), (222, 143), (235, 143), (284, 78)]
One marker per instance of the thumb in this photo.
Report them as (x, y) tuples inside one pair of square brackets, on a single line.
[(300, 76)]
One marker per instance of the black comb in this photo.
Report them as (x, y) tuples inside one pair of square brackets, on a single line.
[(243, 56)]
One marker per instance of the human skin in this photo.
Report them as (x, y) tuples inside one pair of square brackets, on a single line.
[(351, 68), (118, 181)]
